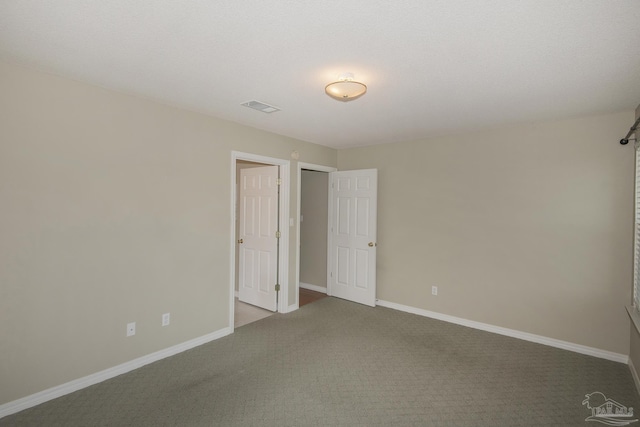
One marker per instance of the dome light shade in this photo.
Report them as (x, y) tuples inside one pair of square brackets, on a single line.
[(345, 89)]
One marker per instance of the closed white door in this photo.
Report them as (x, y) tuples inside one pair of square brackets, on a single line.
[(352, 235), (258, 244)]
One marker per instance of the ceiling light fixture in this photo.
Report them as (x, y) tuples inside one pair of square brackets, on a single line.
[(345, 89)]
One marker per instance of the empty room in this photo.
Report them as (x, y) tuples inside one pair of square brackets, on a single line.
[(275, 213)]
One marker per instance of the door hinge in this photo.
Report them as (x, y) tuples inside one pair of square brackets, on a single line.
[(279, 181), (277, 287), (277, 234)]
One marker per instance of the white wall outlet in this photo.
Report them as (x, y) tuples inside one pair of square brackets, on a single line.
[(166, 319), (131, 329), (434, 290)]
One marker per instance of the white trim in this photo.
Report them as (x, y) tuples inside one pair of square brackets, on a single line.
[(89, 380), (284, 228), (313, 287), (634, 374), (285, 212), (318, 168), (292, 307), (636, 228), (330, 219), (232, 243), (552, 342)]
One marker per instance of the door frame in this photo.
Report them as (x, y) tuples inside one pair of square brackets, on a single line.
[(283, 261), (317, 168)]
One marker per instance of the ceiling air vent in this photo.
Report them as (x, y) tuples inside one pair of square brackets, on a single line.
[(261, 106)]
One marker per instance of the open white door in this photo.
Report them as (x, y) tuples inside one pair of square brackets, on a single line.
[(352, 235), (258, 254)]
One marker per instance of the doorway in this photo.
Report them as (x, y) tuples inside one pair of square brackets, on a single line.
[(241, 161), (351, 244), (312, 225)]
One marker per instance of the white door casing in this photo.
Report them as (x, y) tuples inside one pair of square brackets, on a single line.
[(258, 246), (352, 235)]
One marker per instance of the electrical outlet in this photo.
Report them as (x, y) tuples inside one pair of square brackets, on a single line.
[(434, 290), (131, 329), (166, 318)]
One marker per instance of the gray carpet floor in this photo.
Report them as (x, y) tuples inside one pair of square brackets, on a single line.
[(336, 363)]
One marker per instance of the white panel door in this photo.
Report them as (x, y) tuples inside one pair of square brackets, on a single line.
[(352, 235), (258, 216)]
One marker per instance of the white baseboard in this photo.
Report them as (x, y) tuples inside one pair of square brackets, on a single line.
[(313, 287), (80, 383), (582, 349)]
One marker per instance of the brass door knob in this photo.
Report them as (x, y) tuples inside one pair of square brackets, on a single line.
[(371, 244), (241, 241)]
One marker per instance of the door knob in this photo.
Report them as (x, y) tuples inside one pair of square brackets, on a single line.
[(371, 244), (241, 241)]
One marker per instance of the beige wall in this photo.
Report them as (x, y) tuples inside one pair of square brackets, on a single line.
[(113, 209), (314, 201), (527, 228)]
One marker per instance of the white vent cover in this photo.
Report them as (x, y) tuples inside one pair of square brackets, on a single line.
[(261, 106)]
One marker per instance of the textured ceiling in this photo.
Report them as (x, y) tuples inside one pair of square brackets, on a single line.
[(432, 67)]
